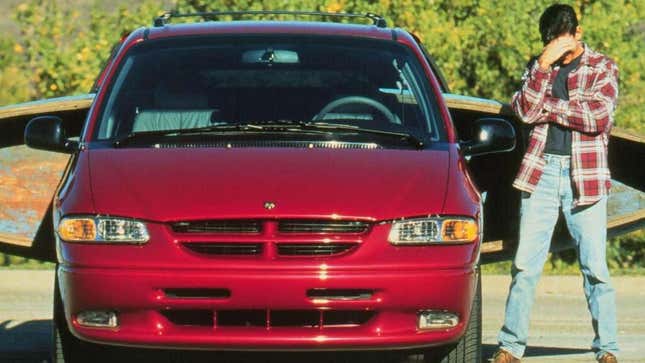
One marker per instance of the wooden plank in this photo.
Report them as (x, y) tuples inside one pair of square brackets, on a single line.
[(477, 104), (47, 106), (468, 103), (28, 180), (628, 135), (15, 239), (619, 221), (492, 246)]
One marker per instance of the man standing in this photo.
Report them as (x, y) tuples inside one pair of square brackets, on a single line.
[(568, 95)]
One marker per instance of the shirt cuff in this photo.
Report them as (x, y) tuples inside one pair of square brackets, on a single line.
[(538, 73), (538, 80)]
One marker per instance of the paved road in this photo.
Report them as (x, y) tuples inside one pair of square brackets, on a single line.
[(560, 326)]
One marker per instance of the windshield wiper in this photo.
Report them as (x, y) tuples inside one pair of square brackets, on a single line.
[(415, 141), (291, 125), (197, 130)]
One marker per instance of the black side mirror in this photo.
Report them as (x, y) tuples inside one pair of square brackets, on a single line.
[(490, 135), (47, 133)]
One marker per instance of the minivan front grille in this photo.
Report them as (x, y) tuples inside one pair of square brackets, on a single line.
[(314, 249), (219, 226), (219, 249), (250, 237), (307, 226)]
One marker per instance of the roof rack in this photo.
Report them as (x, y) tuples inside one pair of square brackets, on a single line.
[(164, 18)]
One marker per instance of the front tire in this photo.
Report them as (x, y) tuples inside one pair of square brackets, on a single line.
[(66, 348), (468, 348)]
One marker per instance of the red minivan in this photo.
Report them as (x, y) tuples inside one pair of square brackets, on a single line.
[(268, 185)]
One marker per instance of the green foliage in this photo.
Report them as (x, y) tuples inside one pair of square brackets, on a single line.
[(627, 252), (617, 28), (482, 46), (60, 50), (14, 262), (14, 83)]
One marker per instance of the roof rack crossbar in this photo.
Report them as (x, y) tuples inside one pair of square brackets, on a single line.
[(164, 18)]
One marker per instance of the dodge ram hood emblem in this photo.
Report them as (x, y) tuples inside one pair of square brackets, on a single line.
[(269, 205)]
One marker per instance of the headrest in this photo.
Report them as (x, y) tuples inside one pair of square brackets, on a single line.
[(158, 120)]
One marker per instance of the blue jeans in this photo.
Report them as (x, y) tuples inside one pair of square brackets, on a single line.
[(588, 227)]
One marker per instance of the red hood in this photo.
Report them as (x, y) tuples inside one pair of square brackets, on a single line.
[(190, 184)]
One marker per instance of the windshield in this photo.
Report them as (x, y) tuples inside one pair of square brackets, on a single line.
[(204, 83)]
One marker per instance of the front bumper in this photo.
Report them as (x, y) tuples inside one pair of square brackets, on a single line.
[(281, 312)]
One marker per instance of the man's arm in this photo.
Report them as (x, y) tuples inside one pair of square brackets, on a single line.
[(588, 114), (528, 101)]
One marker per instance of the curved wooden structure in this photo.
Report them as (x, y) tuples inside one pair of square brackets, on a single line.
[(28, 178)]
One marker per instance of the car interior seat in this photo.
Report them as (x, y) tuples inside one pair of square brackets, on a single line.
[(177, 105)]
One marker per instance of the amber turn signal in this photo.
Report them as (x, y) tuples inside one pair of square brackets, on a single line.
[(459, 230), (77, 229)]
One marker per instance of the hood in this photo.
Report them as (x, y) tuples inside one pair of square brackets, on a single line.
[(212, 183)]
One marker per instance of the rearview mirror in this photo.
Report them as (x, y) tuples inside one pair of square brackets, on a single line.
[(270, 56), (490, 135), (48, 133)]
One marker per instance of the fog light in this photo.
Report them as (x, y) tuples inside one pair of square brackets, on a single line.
[(98, 319), (433, 319)]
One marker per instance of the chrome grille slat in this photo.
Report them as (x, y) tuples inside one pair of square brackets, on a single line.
[(218, 226), (221, 249), (313, 249), (303, 226)]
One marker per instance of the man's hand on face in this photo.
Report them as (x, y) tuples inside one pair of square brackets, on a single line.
[(557, 48)]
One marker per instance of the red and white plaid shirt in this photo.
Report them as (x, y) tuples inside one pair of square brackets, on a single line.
[(593, 90)]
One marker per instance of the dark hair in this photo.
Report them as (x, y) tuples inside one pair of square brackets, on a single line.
[(557, 20)]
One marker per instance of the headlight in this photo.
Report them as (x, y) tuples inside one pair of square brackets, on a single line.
[(433, 230), (102, 229)]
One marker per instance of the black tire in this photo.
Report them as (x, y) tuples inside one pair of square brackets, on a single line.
[(468, 348), (66, 348), (64, 345)]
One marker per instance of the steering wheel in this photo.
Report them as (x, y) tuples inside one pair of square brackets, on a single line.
[(348, 100)]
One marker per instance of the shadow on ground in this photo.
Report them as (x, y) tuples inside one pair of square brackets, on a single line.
[(489, 349), (25, 342)]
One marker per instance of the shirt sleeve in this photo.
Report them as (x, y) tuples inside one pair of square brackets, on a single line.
[(528, 101), (593, 111)]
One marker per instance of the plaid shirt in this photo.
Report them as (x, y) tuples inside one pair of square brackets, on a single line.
[(593, 90)]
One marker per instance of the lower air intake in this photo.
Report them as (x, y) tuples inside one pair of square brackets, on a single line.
[(269, 318), (190, 293), (224, 249)]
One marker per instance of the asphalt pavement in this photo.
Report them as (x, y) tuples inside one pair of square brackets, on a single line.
[(560, 325)]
